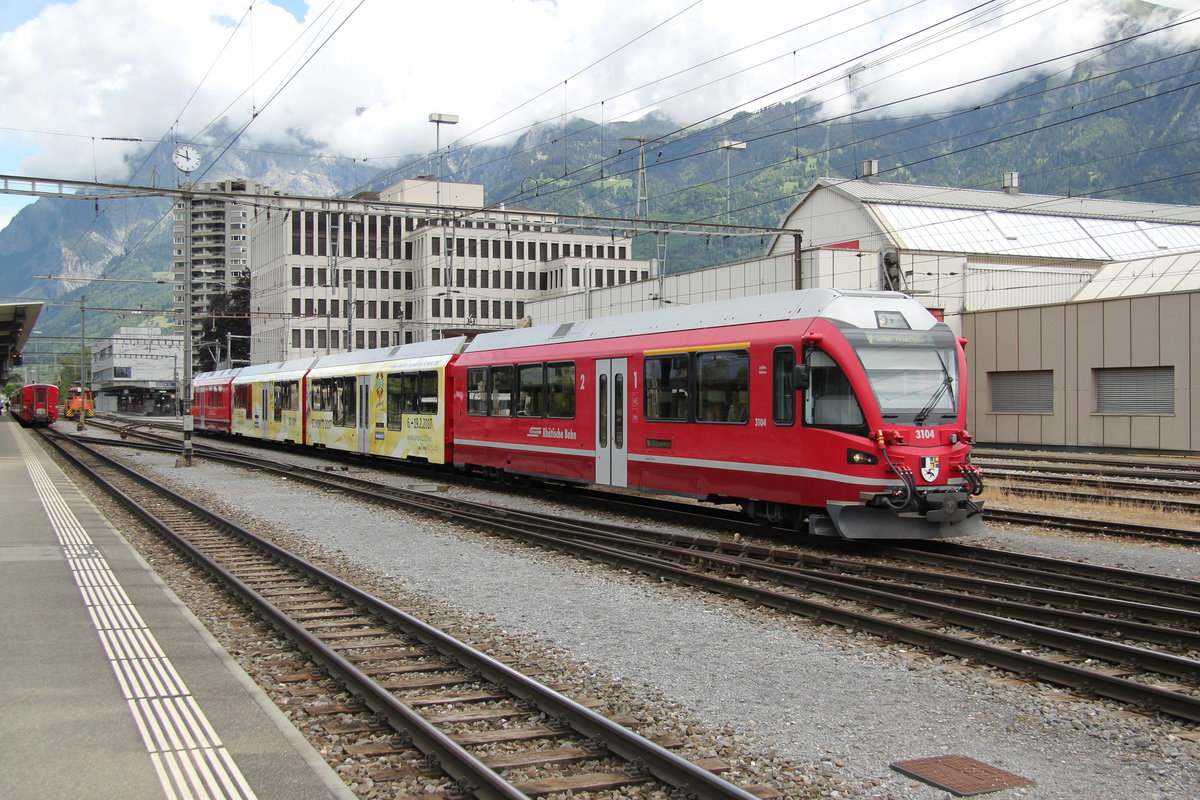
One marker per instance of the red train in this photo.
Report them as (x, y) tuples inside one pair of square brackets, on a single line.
[(35, 404), (840, 413)]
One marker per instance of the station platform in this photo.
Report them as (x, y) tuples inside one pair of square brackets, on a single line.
[(111, 687)]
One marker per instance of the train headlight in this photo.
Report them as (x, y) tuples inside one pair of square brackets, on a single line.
[(859, 457)]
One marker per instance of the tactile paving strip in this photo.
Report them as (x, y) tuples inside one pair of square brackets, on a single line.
[(960, 775)]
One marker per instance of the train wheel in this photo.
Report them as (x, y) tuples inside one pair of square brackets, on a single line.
[(772, 515)]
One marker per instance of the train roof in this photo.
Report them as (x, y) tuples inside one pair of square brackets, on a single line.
[(854, 307), (216, 375), (296, 367), (433, 347)]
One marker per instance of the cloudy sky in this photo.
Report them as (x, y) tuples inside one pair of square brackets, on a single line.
[(361, 77)]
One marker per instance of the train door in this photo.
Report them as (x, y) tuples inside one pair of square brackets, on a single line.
[(260, 419), (363, 415), (612, 455)]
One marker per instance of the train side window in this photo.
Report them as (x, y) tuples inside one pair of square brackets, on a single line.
[(241, 397), (830, 401), (346, 398), (783, 386), (319, 392), (427, 392), (667, 387), (477, 391), (284, 397), (560, 387), (723, 386), (395, 401), (531, 383), (500, 404)]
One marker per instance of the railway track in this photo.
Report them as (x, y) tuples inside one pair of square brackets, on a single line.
[(1108, 632), (423, 696), (706, 515), (1144, 482)]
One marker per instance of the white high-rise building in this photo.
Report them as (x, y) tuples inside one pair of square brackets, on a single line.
[(214, 238)]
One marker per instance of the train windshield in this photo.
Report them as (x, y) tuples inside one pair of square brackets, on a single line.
[(914, 374)]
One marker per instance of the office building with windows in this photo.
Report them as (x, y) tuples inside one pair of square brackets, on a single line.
[(414, 262)]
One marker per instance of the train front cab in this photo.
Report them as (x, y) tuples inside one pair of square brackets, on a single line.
[(890, 402), (79, 403), (851, 430)]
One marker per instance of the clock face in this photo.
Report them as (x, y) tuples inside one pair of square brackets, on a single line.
[(187, 158)]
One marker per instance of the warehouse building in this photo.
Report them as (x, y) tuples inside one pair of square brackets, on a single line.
[(1082, 314)]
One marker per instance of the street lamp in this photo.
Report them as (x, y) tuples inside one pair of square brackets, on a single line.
[(727, 145), (438, 121)]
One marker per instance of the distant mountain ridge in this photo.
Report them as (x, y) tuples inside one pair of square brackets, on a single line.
[(1124, 124)]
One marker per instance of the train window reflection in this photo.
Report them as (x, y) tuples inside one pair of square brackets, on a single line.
[(783, 388), (477, 391), (286, 397), (560, 388), (667, 387), (830, 401), (723, 386), (602, 401), (500, 404), (335, 395), (410, 393), (619, 411), (532, 387)]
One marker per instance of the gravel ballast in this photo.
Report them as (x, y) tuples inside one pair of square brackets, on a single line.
[(837, 703)]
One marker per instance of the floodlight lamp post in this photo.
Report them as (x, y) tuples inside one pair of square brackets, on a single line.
[(438, 121), (727, 145)]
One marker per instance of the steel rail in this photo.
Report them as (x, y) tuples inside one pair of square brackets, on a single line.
[(656, 760), (1145, 589), (1112, 687), (1167, 584), (859, 590), (1159, 533), (517, 524)]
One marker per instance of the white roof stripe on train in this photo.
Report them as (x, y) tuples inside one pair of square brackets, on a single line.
[(800, 304)]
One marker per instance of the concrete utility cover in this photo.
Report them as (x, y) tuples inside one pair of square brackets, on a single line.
[(960, 775)]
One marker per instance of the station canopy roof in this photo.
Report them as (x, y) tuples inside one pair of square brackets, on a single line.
[(16, 323)]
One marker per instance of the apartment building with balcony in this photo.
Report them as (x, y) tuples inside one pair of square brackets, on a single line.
[(210, 245)]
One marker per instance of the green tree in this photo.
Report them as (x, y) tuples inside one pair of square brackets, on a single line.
[(228, 322)]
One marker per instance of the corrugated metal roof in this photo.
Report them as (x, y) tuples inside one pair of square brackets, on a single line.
[(1159, 275), (983, 200), (960, 230)]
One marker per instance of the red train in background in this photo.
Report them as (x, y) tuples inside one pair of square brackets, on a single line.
[(35, 404), (838, 413)]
